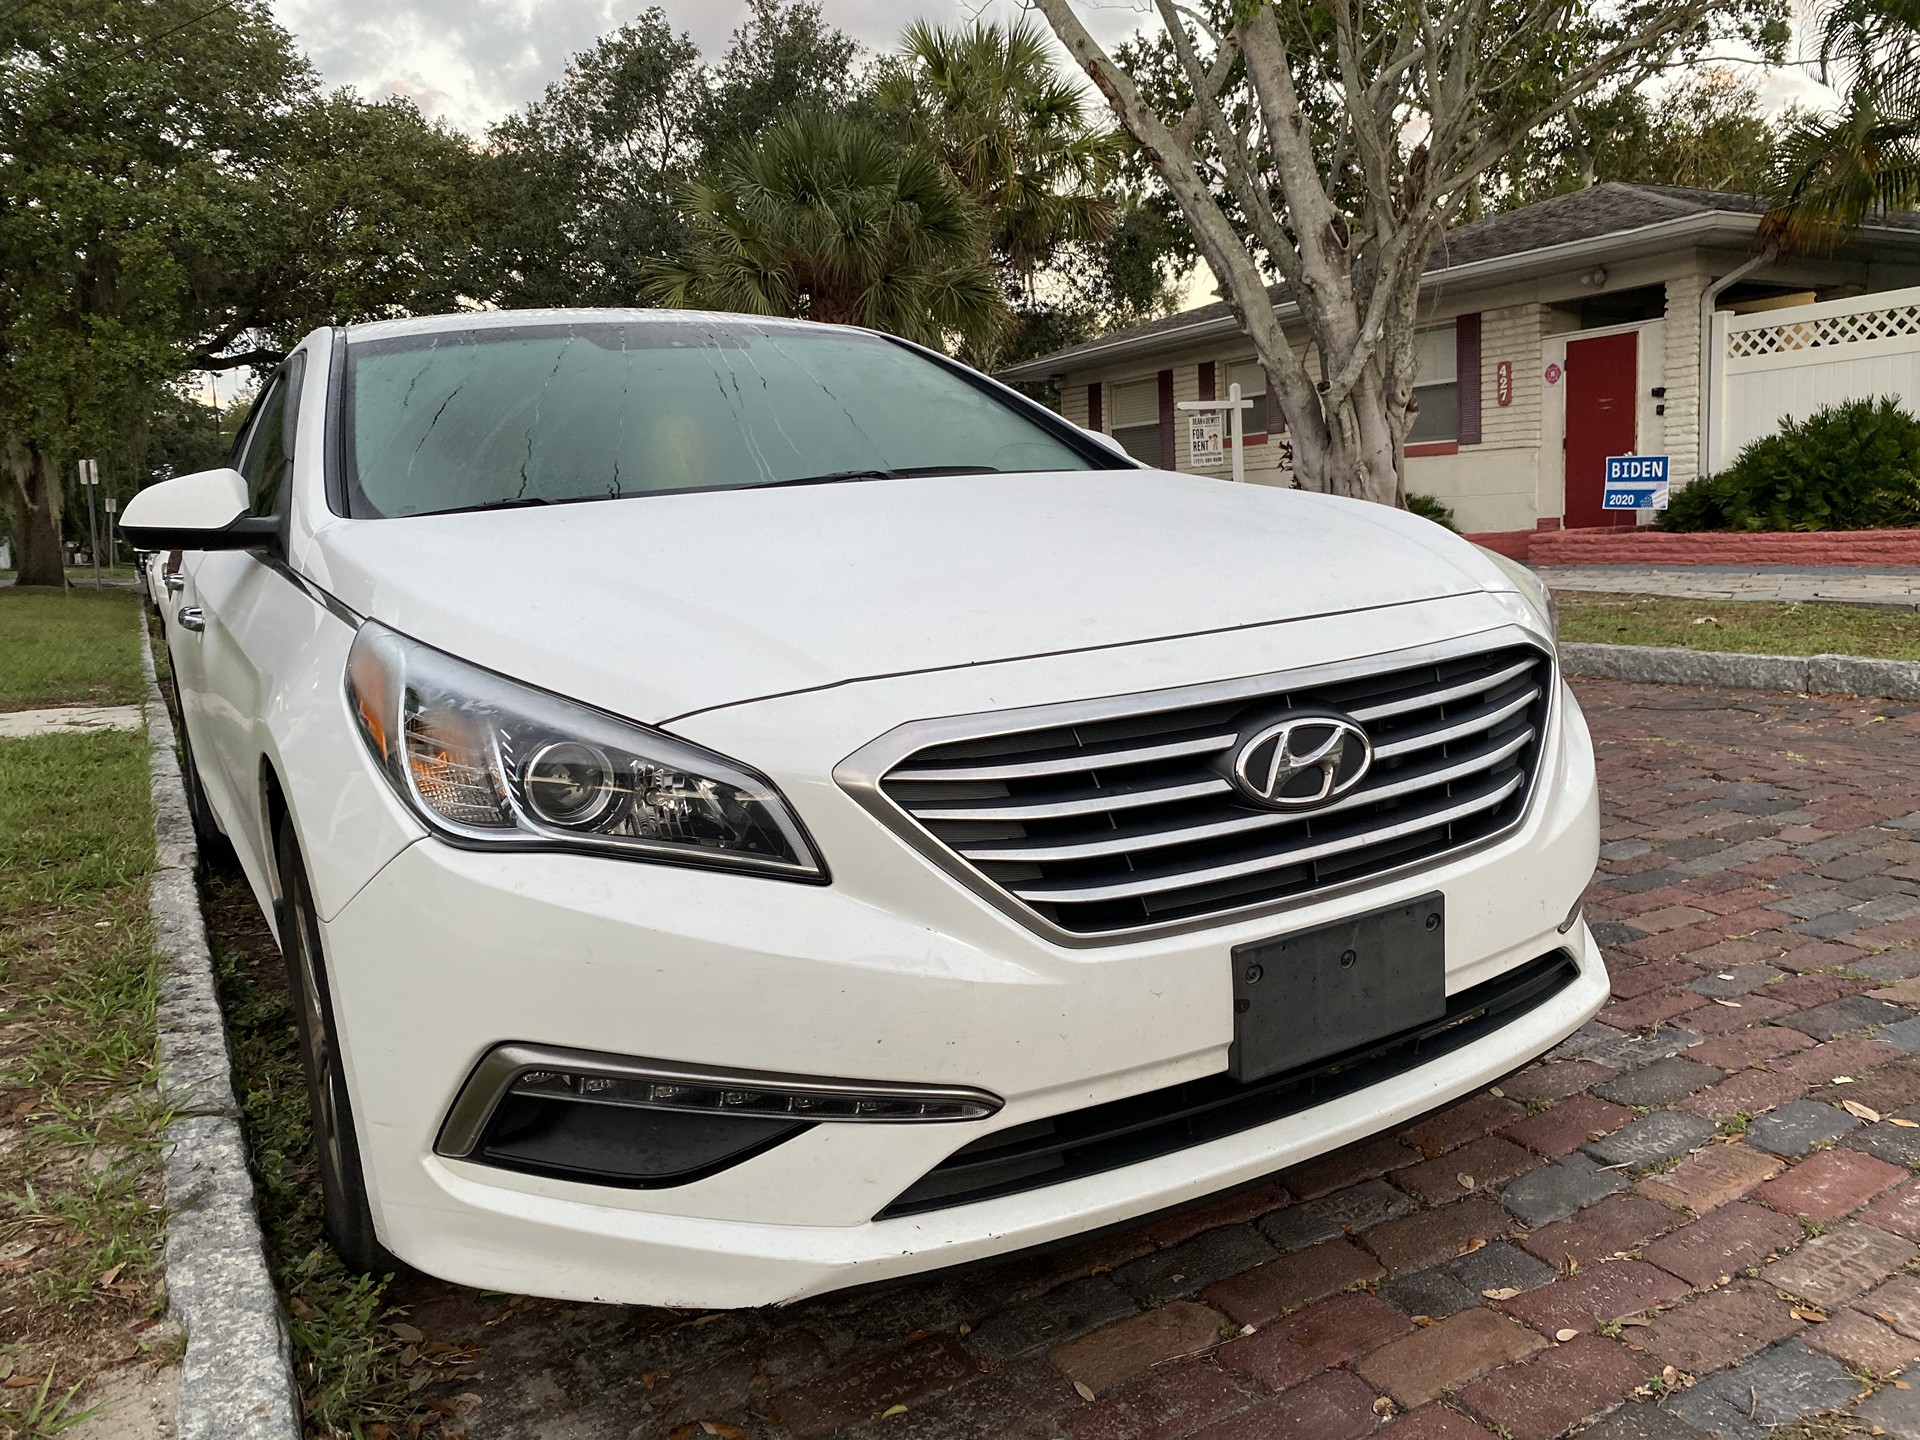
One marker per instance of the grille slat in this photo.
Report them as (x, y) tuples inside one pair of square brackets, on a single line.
[(1099, 825)]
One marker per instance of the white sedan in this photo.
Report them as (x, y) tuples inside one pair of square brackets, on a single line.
[(753, 807)]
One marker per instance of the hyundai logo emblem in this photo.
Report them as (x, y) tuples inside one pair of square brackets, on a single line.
[(1302, 761)]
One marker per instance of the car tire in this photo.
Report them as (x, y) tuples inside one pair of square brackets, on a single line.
[(343, 1186), (215, 850)]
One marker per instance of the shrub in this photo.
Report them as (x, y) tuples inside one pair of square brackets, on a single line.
[(1848, 467), (1431, 509)]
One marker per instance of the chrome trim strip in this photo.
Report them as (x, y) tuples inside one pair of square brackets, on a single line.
[(497, 1070), (336, 607), (861, 772), (1097, 804), (1188, 879), (1159, 839), (1068, 764), (1445, 734), (1389, 708)]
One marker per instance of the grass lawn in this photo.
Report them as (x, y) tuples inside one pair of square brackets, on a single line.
[(80, 648), (81, 1224), (1746, 626)]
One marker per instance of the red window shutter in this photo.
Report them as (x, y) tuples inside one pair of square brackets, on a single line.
[(1466, 352), (1206, 380), (1166, 419), (1095, 420)]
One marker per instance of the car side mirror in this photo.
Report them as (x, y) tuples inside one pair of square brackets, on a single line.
[(205, 511)]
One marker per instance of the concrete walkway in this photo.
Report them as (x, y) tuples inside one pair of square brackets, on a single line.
[(69, 720), (1887, 589)]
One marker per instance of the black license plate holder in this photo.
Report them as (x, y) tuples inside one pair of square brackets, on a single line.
[(1302, 997)]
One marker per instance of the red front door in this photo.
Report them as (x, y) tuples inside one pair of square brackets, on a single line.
[(1602, 400)]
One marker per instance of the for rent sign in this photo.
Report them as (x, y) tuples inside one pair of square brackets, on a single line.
[(1636, 482)]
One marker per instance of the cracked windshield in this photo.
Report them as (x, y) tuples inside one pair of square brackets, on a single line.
[(542, 414)]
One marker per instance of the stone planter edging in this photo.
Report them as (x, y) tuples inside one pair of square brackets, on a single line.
[(1793, 674), (236, 1377)]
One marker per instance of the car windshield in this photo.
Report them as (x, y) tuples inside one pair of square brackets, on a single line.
[(461, 419)]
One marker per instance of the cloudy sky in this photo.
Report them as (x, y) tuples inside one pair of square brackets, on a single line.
[(468, 61)]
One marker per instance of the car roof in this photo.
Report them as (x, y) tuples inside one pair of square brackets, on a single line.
[(469, 320)]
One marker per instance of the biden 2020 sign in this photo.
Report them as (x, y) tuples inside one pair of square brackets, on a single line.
[(1636, 482)]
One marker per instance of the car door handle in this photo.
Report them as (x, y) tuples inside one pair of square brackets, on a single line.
[(175, 583), (191, 617)]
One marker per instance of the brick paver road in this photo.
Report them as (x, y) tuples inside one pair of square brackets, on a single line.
[(1697, 1217)]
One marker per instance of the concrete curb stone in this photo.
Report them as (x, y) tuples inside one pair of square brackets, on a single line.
[(1792, 674), (236, 1378)]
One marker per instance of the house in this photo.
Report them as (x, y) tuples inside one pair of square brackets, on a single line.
[(1554, 336)]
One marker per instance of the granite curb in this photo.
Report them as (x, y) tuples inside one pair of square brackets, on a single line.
[(1793, 674), (236, 1378)]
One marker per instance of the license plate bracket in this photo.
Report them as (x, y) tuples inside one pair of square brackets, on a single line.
[(1299, 998)]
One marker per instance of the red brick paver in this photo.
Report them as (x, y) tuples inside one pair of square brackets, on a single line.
[(1131, 1347), (1830, 1184), (1431, 1361), (1540, 1399)]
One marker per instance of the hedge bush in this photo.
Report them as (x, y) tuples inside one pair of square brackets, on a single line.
[(1432, 509), (1848, 467)]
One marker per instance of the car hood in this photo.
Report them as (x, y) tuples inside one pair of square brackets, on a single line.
[(657, 606)]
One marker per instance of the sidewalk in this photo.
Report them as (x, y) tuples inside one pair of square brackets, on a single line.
[(1882, 588)]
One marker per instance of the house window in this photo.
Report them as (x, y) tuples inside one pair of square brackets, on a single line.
[(1252, 381), (1136, 419), (1436, 387)]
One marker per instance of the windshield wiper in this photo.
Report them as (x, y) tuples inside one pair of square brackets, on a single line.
[(514, 503), (831, 477)]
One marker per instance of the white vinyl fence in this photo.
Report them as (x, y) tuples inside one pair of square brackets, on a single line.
[(1788, 363)]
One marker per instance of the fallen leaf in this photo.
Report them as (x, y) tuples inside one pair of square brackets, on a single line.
[(1505, 1292), (1479, 1242), (966, 1327), (1724, 975), (1497, 1093), (1901, 1385), (728, 1431), (20, 1382), (1083, 1390), (377, 1431), (1382, 1405), (1730, 1004), (1423, 1320), (1467, 1182), (1903, 1124), (1635, 1320), (1669, 1374), (1843, 1080), (1862, 1112), (409, 1333), (913, 1335), (108, 1277), (1807, 1312), (886, 1414), (1565, 1335)]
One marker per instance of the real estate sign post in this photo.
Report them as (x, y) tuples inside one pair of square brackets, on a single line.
[(1203, 431)]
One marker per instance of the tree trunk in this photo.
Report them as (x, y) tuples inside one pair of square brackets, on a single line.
[(37, 503)]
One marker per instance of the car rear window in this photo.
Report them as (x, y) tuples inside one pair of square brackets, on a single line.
[(488, 416)]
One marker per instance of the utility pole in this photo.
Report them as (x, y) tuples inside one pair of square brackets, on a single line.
[(113, 543), (90, 478)]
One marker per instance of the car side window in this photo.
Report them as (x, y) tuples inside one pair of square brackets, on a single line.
[(269, 446)]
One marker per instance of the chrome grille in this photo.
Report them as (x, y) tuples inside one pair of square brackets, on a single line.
[(1109, 818)]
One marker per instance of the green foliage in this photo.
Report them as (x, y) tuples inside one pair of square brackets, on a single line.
[(830, 218), (1847, 467), (1427, 507), (1839, 167), (1707, 130)]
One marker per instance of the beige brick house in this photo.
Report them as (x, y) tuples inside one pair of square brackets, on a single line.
[(1553, 336)]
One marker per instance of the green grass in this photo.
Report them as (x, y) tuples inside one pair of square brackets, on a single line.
[(79, 1176), (1746, 626), (80, 648)]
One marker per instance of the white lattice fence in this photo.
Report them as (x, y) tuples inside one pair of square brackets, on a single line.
[(1785, 364)]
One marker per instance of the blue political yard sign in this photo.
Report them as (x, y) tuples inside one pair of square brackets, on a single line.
[(1635, 482)]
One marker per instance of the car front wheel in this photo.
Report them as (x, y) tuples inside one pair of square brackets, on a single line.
[(349, 1220)]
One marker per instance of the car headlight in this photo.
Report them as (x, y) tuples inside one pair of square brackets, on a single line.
[(1532, 587), (488, 762)]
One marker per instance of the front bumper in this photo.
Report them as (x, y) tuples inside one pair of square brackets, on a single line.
[(446, 953)]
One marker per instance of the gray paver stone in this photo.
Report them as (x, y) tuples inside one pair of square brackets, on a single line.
[(1829, 927), (1608, 1046), (1796, 1127), (1889, 965), (1895, 1411), (1661, 1083), (1892, 1143), (1433, 1293), (1736, 980), (1642, 1422), (1499, 1266), (1856, 1012), (1064, 1313), (1555, 1191), (1905, 1035), (1782, 1383), (1358, 1207), (1663, 1135), (1625, 849), (1194, 1264)]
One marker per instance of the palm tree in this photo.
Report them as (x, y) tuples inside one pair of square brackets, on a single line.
[(825, 217), (1839, 168), (1015, 133)]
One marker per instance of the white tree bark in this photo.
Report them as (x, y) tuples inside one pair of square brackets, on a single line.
[(1371, 122)]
